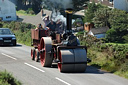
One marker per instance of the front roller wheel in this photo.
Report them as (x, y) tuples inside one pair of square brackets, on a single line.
[(72, 60), (45, 47), (66, 56), (80, 56)]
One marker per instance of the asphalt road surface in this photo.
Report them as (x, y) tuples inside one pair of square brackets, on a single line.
[(17, 61)]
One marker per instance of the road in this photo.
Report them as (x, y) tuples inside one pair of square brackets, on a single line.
[(17, 61)]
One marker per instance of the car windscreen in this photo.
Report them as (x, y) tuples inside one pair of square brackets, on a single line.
[(5, 32)]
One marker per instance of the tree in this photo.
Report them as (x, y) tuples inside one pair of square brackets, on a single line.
[(89, 13), (34, 4), (118, 20), (101, 17)]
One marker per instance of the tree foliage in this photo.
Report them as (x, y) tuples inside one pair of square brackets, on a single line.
[(101, 17), (25, 4), (116, 20), (119, 26), (89, 13)]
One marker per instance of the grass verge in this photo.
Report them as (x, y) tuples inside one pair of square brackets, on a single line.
[(23, 13)]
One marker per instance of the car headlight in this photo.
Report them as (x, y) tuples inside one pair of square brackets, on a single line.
[(1, 38), (13, 38)]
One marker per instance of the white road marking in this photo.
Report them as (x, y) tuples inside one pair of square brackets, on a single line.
[(62, 81), (34, 67), (9, 56)]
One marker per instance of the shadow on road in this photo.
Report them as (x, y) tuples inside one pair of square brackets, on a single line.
[(18, 45), (94, 70), (89, 70)]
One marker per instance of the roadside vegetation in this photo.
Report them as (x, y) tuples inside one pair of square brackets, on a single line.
[(111, 52), (21, 30), (7, 79), (112, 57)]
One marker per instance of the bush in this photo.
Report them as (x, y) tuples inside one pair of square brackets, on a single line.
[(125, 38), (30, 11), (21, 30), (124, 67), (8, 79), (110, 57)]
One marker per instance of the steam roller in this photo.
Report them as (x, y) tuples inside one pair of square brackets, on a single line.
[(69, 58), (62, 49)]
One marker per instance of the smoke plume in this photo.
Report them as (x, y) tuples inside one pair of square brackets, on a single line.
[(56, 15), (56, 6)]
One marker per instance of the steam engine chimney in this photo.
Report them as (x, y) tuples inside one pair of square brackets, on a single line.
[(68, 13)]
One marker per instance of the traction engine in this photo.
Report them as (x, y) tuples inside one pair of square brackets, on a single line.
[(65, 50)]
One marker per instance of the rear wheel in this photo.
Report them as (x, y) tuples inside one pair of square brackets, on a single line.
[(33, 54), (37, 55), (46, 46)]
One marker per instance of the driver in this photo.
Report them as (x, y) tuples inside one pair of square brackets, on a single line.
[(52, 25), (51, 28)]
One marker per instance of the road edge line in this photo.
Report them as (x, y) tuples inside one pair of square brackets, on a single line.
[(8, 56), (34, 67), (62, 81)]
